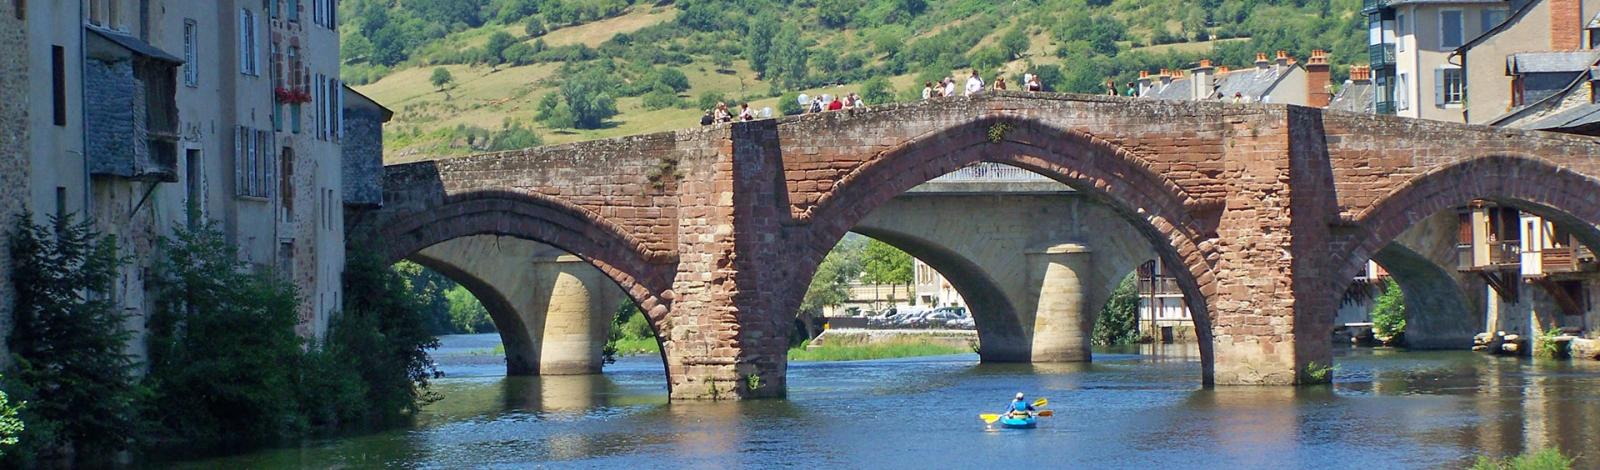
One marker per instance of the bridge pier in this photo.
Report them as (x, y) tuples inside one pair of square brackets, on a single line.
[(552, 309), (1059, 278)]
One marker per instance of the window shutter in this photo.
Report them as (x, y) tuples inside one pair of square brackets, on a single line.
[(239, 162), (1438, 87), (340, 109), (243, 42), (271, 164)]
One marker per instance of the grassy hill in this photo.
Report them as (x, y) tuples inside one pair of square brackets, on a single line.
[(655, 63)]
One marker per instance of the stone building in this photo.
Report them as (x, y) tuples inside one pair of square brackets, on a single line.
[(164, 114), (1532, 54), (1409, 46), (14, 144)]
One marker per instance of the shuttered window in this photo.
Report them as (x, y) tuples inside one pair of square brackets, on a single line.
[(254, 162), (247, 43)]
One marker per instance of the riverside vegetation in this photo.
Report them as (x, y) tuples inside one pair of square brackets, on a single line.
[(225, 368)]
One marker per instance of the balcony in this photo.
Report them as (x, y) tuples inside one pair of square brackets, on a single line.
[(1501, 255), (1372, 6), (1160, 287), (1380, 55), (1564, 259), (1384, 107)]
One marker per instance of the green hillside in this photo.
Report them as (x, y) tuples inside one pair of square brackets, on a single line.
[(517, 73)]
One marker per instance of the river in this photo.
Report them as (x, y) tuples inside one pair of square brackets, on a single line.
[(1387, 409)]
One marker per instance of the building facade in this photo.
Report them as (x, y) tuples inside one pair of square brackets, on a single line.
[(1281, 80), (1409, 47), (152, 116), (1538, 50)]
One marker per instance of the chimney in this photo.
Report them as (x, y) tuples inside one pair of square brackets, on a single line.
[(1223, 70), (1261, 61), (1360, 74), (1318, 82), (1283, 58), (1144, 81), (1204, 76), (1166, 77), (1566, 25)]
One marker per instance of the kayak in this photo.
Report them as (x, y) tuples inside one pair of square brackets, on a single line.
[(1009, 422)]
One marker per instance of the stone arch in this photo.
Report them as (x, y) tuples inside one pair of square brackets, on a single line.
[(1000, 332), (513, 331), (1159, 208), (1438, 313), (643, 275), (1532, 184)]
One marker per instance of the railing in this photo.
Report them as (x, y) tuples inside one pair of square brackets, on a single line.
[(1161, 286), (1380, 55), (988, 172), (1370, 6), (1384, 107), (1505, 253)]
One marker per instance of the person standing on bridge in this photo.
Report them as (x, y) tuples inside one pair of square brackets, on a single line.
[(927, 90), (745, 114), (949, 87), (707, 119), (974, 83), (1000, 83), (722, 113)]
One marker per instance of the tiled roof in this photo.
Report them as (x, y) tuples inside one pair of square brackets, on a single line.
[(1551, 62), (1253, 83), (1353, 97), (134, 45), (1580, 115), (1179, 89)]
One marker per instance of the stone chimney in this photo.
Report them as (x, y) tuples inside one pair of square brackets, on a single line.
[(1166, 77), (1223, 70), (1144, 81), (1566, 25), (1283, 58), (1261, 61), (1204, 78), (1360, 74), (1319, 83)]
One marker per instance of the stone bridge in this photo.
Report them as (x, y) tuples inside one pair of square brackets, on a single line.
[(1265, 212)]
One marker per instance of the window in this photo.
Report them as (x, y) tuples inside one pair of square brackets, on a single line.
[(194, 199), (1492, 18), (286, 184), (1400, 34), (294, 10), (253, 163), (191, 70), (1448, 87), (1450, 33), (247, 43), (21, 7), (58, 84), (1402, 95)]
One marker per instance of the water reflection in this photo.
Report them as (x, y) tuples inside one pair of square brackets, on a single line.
[(1141, 406)]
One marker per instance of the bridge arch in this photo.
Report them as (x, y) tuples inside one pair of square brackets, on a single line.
[(1528, 183), (1157, 207)]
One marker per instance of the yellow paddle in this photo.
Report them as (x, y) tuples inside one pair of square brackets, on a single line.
[(989, 418), (1041, 402)]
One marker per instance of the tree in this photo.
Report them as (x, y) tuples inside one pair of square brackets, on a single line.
[(466, 313), (1015, 42), (495, 50), (440, 78), (673, 79), (789, 104), (758, 42), (1118, 321), (588, 95), (11, 426), (1389, 313), (535, 27), (67, 344), (882, 263), (831, 285), (789, 57), (877, 91), (554, 112)]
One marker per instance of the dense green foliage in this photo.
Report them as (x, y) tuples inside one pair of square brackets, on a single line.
[(11, 425), (67, 345), (630, 334), (467, 314), (882, 263), (830, 286), (884, 350), (1542, 459), (223, 344), (1118, 320), (1389, 314)]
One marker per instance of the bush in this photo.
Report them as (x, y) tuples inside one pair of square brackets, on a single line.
[(789, 104), (66, 343), (1542, 459), (709, 99), (514, 137), (535, 27), (381, 338), (1118, 322), (662, 97), (223, 344), (877, 91), (467, 313), (1389, 313), (441, 77)]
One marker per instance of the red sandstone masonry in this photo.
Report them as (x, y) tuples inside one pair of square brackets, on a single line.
[(717, 231)]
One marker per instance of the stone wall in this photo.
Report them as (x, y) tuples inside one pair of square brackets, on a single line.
[(362, 156), (14, 161), (115, 123)]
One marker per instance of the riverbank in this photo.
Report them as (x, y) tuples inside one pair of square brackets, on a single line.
[(889, 349)]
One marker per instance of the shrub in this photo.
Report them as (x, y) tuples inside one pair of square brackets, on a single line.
[(877, 91), (67, 342), (381, 338), (1542, 459), (1389, 314), (467, 313), (441, 77), (223, 344), (789, 104), (535, 27), (709, 99), (661, 97), (1118, 320)]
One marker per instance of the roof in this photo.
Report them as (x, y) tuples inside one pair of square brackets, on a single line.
[(1353, 97), (1179, 89), (1581, 115), (134, 45), (1595, 23), (353, 97), (1392, 3), (1569, 108), (1551, 62), (1253, 83)]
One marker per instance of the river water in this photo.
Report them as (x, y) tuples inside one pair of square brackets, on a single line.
[(1387, 409)]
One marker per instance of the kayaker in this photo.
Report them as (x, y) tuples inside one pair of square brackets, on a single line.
[(1020, 407)]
